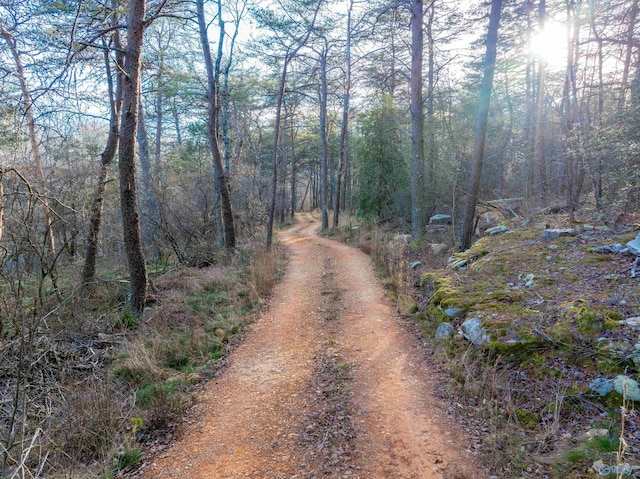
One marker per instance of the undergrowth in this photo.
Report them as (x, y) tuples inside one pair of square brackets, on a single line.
[(86, 385)]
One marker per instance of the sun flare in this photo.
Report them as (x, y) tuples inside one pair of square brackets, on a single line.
[(550, 45)]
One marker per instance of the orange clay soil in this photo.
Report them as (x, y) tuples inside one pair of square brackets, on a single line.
[(327, 383)]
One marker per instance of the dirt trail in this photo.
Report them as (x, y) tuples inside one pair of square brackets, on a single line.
[(251, 420)]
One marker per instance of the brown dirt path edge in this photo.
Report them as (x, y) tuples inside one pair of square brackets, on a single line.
[(250, 418)]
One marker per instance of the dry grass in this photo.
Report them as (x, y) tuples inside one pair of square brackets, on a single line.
[(95, 388)]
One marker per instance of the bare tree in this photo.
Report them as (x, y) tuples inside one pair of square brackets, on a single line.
[(417, 121), (227, 213), (468, 220), (126, 164), (108, 154)]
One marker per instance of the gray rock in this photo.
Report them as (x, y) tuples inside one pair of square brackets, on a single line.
[(415, 264), (473, 331), (607, 249), (529, 280), (634, 246), (553, 247), (459, 264), (627, 387), (496, 230), (601, 386), (440, 219), (552, 234), (444, 331), (453, 312), (633, 322)]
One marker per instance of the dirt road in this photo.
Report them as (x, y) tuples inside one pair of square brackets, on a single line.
[(327, 383)]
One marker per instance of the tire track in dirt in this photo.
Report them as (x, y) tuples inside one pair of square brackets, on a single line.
[(251, 421)]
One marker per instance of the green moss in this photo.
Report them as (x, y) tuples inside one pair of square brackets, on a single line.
[(527, 419)]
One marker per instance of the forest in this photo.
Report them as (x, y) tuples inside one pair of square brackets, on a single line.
[(140, 136)]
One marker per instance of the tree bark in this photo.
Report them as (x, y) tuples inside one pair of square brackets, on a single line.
[(225, 196), (344, 128), (473, 188), (324, 203), (538, 142), (149, 204), (106, 158), (417, 121), (35, 147), (127, 167)]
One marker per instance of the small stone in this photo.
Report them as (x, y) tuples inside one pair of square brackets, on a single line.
[(627, 387), (453, 312), (634, 246), (440, 219), (601, 386), (529, 280), (415, 264), (633, 322), (496, 230), (459, 264), (614, 277), (553, 247), (473, 331), (444, 331), (556, 233)]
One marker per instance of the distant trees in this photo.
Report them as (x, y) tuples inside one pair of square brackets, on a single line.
[(382, 175)]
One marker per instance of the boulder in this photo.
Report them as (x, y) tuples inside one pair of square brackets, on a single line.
[(627, 387), (473, 331), (496, 230), (440, 219), (601, 386), (552, 234), (634, 245), (444, 331)]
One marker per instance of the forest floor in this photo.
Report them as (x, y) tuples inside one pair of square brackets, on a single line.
[(328, 382)]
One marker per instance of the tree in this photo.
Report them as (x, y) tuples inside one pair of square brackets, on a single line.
[(107, 155), (382, 178), (292, 36), (344, 126), (227, 213), (473, 188), (126, 165), (417, 121)]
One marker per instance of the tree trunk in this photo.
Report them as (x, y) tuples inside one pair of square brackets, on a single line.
[(27, 101), (324, 203), (225, 196), (432, 148), (127, 167), (473, 188), (538, 142), (344, 128), (633, 14), (149, 203), (106, 158), (417, 121)]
